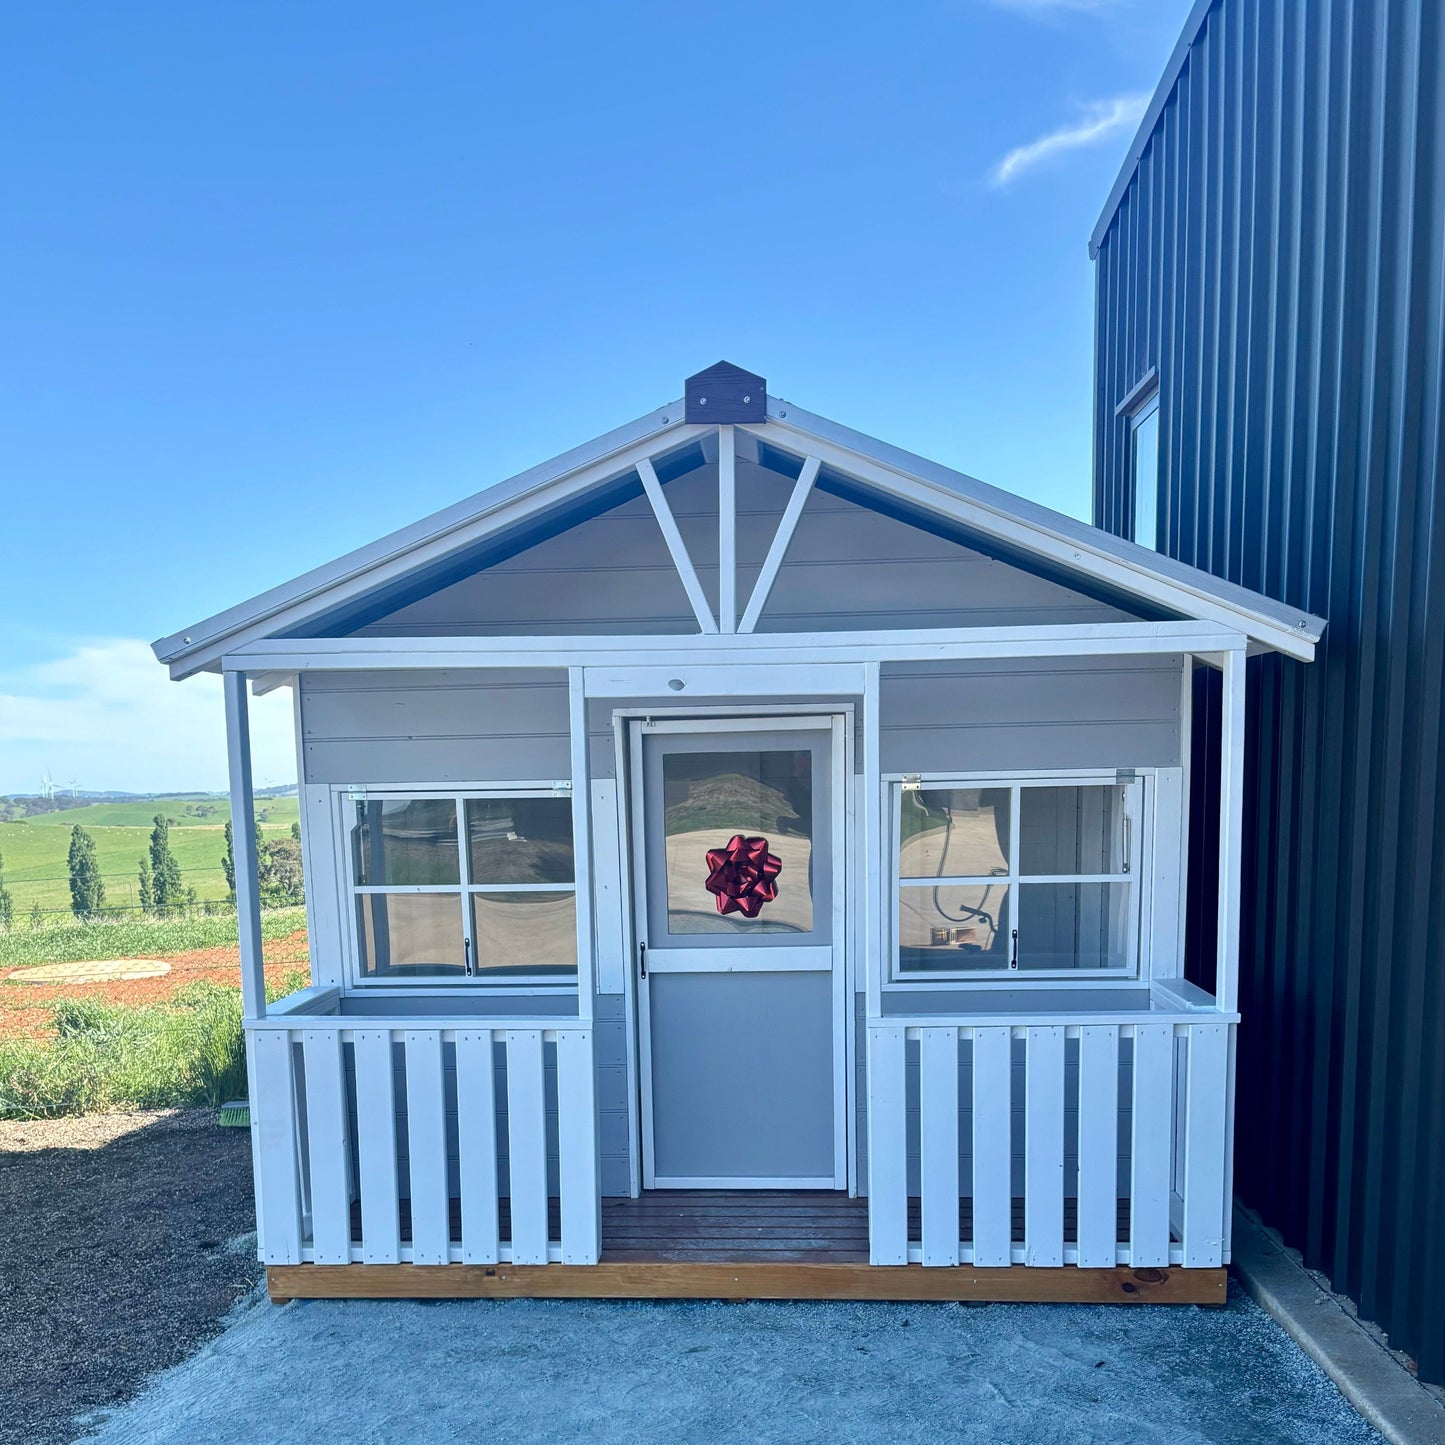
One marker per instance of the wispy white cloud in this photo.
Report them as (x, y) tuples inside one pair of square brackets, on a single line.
[(105, 713), (1100, 120)]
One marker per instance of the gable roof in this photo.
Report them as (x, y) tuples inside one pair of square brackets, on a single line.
[(1068, 548)]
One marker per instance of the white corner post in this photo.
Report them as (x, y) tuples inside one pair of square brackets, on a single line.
[(243, 833), (1232, 725), (1231, 825), (727, 527), (582, 843)]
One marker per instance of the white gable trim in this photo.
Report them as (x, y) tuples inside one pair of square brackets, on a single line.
[(1070, 546)]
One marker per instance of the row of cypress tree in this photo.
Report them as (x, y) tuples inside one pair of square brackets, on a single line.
[(161, 885)]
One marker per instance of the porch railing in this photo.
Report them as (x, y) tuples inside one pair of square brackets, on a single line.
[(390, 1141), (1018, 1142)]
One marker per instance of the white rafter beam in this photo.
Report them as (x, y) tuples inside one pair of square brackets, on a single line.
[(727, 531), (676, 546), (779, 549)]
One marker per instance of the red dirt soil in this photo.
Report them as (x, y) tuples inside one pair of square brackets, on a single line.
[(24, 1007)]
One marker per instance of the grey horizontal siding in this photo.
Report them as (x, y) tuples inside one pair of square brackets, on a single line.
[(1279, 258), (435, 727), (1030, 713)]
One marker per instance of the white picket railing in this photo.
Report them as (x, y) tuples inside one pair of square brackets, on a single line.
[(1096, 1144), (327, 1145)]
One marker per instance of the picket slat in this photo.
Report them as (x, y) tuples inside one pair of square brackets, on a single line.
[(579, 1167), (273, 1104), (1044, 1147), (992, 1181), (887, 1147), (938, 1143), (1151, 1145), (1204, 1201), (427, 1146), (527, 1145), (328, 1146), (477, 1146), (376, 1146), (1098, 1145)]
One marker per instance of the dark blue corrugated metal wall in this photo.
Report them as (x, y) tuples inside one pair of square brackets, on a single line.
[(1279, 256)]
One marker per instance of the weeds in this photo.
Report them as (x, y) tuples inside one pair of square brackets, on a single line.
[(187, 1050)]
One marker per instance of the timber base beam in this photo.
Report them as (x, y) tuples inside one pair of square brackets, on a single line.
[(750, 1281)]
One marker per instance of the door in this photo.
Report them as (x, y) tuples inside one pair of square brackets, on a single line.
[(738, 864)]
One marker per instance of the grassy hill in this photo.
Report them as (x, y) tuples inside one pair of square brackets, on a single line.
[(35, 849)]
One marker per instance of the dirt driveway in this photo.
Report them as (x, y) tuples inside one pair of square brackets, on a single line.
[(115, 1257)]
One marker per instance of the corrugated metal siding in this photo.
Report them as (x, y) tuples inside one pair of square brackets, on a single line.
[(1279, 256)]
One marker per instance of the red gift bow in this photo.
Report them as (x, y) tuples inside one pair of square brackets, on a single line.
[(743, 875)]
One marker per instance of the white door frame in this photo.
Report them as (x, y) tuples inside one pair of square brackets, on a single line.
[(759, 719)]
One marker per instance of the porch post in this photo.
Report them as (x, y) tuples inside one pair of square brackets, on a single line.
[(243, 832), (1231, 826)]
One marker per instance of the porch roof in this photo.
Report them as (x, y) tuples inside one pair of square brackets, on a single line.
[(1064, 546)]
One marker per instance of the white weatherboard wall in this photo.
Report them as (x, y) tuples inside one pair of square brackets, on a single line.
[(847, 568)]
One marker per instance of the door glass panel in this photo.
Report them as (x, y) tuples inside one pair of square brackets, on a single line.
[(403, 841), (738, 841), (954, 833), (527, 933), (413, 935), (953, 927), (520, 840), (1073, 925), (1071, 830)]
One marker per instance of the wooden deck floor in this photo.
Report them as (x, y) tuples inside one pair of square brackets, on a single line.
[(738, 1226)]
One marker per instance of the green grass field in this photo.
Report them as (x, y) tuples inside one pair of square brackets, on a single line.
[(196, 810), (35, 852)]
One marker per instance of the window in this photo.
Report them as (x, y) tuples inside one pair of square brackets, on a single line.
[(1144, 464), (1035, 877), (467, 887)]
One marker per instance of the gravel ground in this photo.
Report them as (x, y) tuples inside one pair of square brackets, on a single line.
[(600, 1372), (118, 1256)]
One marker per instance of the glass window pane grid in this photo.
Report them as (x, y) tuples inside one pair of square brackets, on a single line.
[(462, 890), (1011, 880)]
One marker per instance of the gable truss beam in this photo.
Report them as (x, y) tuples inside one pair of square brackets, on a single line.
[(676, 547), (1096, 639), (772, 564)]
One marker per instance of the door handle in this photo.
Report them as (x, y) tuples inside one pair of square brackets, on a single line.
[(467, 947), (642, 959)]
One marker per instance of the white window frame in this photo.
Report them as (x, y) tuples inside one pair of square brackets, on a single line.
[(1141, 874), (344, 802), (1137, 417)]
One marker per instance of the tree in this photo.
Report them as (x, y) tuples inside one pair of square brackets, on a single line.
[(7, 903), (278, 871), (170, 891), (37, 918), (228, 862), (87, 888), (147, 887)]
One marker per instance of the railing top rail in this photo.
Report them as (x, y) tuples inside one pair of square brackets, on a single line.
[(453, 1024), (1123, 1018)]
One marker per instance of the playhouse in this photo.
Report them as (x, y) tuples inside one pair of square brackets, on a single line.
[(746, 859)]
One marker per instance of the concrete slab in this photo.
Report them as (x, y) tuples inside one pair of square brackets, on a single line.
[(691, 1372), (1369, 1375), (108, 970)]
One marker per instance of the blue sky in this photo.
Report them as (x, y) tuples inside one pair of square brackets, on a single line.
[(279, 278)]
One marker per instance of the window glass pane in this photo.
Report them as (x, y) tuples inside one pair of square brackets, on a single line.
[(405, 841), (414, 935), (1073, 925), (520, 840), (954, 833), (1146, 479), (742, 822), (1071, 830), (951, 928), (528, 933)]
